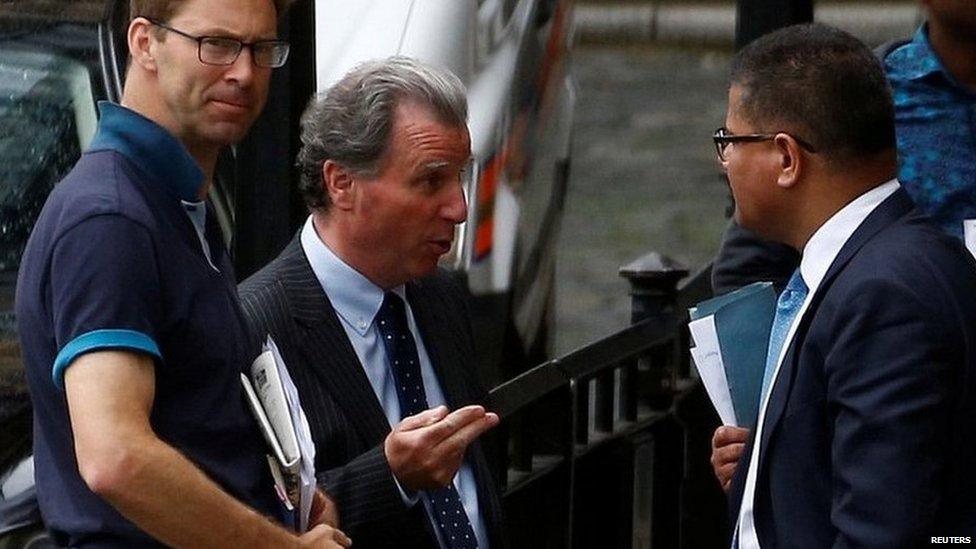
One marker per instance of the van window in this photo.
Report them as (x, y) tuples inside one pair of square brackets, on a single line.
[(47, 117)]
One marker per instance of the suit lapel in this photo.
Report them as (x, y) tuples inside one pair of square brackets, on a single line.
[(329, 356), (893, 208)]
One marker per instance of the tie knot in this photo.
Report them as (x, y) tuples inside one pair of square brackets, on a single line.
[(392, 302), (795, 291), (392, 314)]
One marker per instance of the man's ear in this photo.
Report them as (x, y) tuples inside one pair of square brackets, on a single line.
[(141, 44), (791, 160), (338, 184)]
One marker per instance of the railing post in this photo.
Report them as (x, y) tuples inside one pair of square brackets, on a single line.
[(603, 412), (653, 281)]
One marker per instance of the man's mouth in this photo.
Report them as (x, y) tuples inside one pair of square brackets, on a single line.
[(441, 246), (231, 105)]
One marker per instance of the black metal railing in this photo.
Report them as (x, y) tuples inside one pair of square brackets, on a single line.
[(603, 447)]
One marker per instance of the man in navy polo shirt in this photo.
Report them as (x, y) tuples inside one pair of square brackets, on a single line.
[(132, 334)]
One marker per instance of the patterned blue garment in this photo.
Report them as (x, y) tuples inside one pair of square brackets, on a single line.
[(935, 118)]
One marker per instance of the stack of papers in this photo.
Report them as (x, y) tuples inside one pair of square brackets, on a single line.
[(274, 401), (731, 337)]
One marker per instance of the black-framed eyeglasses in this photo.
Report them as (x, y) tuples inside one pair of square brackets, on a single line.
[(723, 138), (223, 51)]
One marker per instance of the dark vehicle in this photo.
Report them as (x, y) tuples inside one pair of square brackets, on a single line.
[(59, 57), (52, 71)]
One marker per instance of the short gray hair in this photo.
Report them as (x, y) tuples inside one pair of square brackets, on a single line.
[(351, 123)]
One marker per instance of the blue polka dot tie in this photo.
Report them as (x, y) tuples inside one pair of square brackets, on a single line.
[(787, 307), (401, 350)]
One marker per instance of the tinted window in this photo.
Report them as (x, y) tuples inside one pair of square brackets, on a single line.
[(47, 116)]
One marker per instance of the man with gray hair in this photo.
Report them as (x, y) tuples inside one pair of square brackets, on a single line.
[(377, 339)]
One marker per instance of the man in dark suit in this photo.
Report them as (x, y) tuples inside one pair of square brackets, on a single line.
[(377, 339), (865, 435), (933, 78)]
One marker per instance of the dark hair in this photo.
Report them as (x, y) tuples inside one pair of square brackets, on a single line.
[(351, 123), (821, 83)]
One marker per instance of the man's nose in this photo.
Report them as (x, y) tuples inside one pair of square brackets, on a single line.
[(242, 69), (456, 207)]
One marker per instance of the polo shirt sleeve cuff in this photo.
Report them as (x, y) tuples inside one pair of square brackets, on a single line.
[(101, 340)]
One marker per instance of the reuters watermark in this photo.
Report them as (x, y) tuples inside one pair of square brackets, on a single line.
[(943, 540)]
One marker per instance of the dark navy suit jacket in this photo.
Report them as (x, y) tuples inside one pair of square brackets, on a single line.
[(870, 431)]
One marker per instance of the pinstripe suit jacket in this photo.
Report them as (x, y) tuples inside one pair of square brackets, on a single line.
[(348, 424)]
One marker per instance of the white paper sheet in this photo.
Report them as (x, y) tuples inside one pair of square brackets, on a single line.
[(707, 355), (969, 232)]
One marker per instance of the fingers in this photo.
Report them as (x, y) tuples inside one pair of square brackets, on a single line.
[(423, 419), (426, 450), (464, 436), (325, 536), (456, 421), (729, 453), (324, 510), (341, 538), (727, 434), (726, 472), (728, 444)]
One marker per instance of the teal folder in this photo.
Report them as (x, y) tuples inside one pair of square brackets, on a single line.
[(743, 320)]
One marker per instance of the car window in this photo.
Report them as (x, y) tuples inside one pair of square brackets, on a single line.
[(47, 117)]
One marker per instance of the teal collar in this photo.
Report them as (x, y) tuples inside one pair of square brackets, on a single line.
[(922, 61), (150, 147)]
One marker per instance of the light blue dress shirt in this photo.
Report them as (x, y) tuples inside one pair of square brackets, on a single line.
[(197, 212), (356, 301)]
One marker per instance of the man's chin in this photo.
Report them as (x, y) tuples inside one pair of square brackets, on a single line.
[(427, 268), (226, 133), (738, 218)]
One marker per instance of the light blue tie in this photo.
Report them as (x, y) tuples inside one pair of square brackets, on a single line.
[(787, 307)]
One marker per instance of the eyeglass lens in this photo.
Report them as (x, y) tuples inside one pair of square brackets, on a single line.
[(224, 51), (720, 144)]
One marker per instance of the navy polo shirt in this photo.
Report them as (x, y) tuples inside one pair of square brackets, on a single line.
[(115, 262)]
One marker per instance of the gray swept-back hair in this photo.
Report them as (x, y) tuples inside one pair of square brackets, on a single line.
[(351, 123)]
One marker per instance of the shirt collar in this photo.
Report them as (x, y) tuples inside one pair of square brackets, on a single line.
[(920, 59), (828, 240), (353, 296), (197, 212), (150, 147)]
